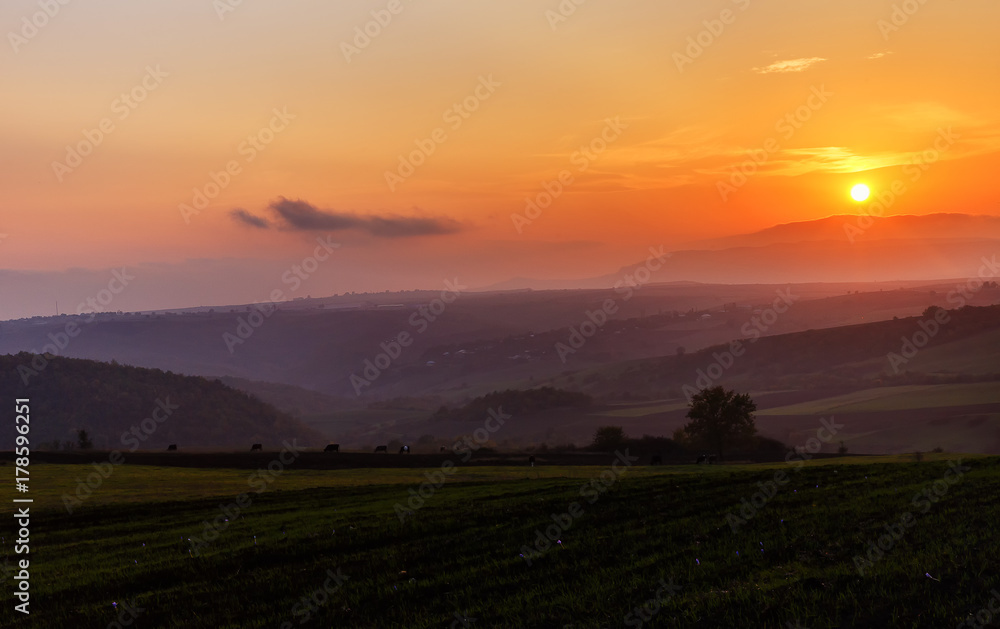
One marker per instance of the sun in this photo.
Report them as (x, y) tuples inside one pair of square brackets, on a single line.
[(860, 192)]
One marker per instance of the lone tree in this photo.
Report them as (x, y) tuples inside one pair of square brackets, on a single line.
[(83, 440), (721, 418), (608, 438)]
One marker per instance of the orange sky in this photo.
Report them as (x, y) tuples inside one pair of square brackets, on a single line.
[(553, 85)]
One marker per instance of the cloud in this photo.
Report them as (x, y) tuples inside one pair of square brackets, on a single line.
[(879, 55), (299, 215), (242, 216), (790, 65), (304, 216)]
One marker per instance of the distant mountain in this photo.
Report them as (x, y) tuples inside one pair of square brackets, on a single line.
[(842, 248), (125, 408), (839, 227), (834, 260)]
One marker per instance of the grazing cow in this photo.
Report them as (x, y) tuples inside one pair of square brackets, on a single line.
[(381, 449), (172, 447), (404, 450), (657, 460), (701, 459), (256, 447), (711, 459), (531, 460), (333, 447), (444, 449)]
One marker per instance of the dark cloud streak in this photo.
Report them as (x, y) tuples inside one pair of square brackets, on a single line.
[(242, 216), (299, 215)]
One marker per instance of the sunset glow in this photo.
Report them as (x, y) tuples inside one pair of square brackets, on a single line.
[(512, 308), (165, 133)]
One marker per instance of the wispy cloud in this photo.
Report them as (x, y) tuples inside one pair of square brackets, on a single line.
[(838, 159), (299, 215), (790, 65), (879, 55)]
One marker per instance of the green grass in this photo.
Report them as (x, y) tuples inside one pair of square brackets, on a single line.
[(793, 561)]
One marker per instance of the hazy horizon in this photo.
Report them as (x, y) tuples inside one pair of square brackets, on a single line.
[(220, 143)]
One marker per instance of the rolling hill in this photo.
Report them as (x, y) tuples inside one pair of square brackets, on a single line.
[(130, 408)]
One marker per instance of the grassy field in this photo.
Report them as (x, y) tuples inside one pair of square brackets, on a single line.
[(657, 537), (896, 398), (976, 355)]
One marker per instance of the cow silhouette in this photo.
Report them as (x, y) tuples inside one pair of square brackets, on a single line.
[(256, 447), (404, 450), (701, 459), (333, 447), (172, 447), (381, 449), (531, 460)]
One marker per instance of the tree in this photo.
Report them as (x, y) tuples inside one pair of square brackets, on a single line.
[(608, 438), (83, 440), (931, 311), (721, 418)]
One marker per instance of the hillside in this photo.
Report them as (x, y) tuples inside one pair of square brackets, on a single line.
[(109, 400), (851, 356), (480, 343)]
